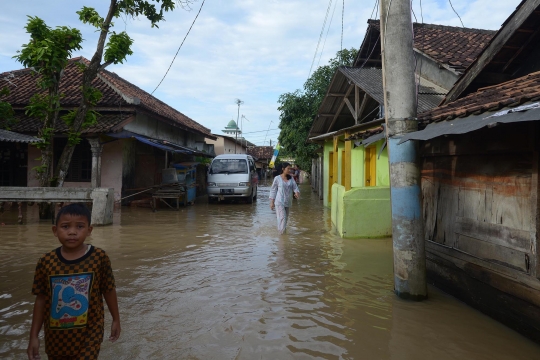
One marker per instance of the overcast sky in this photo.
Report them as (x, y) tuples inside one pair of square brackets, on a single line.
[(238, 49)]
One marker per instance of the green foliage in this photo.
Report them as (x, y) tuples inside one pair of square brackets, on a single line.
[(118, 48), (40, 105), (48, 53), (298, 109), (90, 16), (7, 118), (203, 160), (48, 50), (147, 9)]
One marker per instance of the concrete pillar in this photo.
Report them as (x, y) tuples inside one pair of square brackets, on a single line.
[(400, 112), (103, 205), (97, 147)]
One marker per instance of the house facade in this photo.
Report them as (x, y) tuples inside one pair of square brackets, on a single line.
[(135, 137), (224, 144), (262, 156), (351, 175), (480, 184)]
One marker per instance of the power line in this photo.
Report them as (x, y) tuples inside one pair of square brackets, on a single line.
[(252, 132), (268, 129), (342, 16), (375, 7), (179, 47), (320, 37), (327, 31), (450, 1)]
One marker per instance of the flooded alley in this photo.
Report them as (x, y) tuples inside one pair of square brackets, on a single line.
[(216, 281)]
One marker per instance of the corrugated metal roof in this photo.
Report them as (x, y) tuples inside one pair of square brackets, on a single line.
[(369, 81), (11, 136), (529, 112)]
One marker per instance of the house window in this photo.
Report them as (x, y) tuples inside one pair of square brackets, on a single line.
[(370, 162), (80, 168)]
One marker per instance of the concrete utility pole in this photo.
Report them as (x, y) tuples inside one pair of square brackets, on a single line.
[(238, 102), (400, 112)]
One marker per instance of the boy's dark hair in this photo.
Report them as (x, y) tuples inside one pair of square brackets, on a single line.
[(75, 209)]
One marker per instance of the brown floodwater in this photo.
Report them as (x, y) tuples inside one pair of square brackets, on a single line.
[(216, 281)]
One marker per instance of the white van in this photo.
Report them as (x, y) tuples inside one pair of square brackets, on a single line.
[(232, 176)]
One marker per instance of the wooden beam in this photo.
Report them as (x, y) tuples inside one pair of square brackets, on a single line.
[(348, 163), (335, 160), (493, 78), (356, 103), (511, 47), (351, 109), (331, 115), (363, 106), (340, 107), (500, 39), (335, 94), (516, 54)]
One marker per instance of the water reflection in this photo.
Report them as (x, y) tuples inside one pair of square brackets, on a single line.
[(215, 281)]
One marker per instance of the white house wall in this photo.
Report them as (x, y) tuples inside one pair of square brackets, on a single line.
[(146, 126)]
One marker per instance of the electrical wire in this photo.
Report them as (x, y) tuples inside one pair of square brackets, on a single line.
[(375, 7), (342, 17), (268, 129), (320, 37), (450, 1), (252, 132), (327, 31), (193, 23)]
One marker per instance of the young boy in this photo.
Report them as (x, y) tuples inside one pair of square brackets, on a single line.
[(70, 283)]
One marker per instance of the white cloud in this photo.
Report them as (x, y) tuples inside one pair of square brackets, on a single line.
[(247, 49)]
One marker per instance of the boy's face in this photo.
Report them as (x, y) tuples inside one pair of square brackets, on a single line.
[(72, 230)]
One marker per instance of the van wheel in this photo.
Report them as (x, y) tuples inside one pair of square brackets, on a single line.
[(250, 199), (256, 193)]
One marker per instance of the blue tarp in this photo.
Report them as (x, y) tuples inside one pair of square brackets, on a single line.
[(160, 144)]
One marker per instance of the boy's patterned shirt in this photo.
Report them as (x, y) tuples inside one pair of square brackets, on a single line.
[(74, 315)]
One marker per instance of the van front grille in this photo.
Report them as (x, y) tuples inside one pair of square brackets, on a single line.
[(227, 184)]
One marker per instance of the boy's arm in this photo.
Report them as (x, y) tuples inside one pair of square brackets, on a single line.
[(112, 304), (37, 322)]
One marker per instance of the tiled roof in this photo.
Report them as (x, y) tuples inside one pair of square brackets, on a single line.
[(117, 94), (261, 152), (453, 46), (105, 124), (509, 94), (11, 136)]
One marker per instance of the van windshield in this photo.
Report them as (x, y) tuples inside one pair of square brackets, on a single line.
[(229, 166)]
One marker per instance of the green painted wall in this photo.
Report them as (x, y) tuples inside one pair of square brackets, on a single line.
[(357, 167), (328, 145), (362, 212)]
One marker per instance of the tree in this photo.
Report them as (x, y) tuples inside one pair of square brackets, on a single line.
[(48, 53), (298, 108)]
